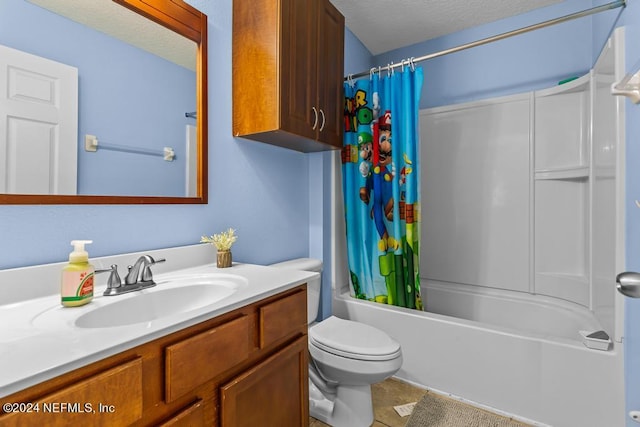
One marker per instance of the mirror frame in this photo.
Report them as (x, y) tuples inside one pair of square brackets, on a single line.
[(189, 22)]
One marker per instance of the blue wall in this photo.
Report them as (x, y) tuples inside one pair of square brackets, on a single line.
[(124, 99), (525, 62), (357, 57), (261, 190)]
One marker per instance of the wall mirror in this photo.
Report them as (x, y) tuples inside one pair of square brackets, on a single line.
[(105, 102)]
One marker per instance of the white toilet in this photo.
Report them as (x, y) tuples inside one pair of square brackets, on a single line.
[(346, 357)]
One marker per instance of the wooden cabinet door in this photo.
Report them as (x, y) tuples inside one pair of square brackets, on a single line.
[(298, 71), (287, 73), (273, 393), (330, 71)]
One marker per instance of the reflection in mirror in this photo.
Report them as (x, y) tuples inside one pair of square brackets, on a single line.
[(101, 101)]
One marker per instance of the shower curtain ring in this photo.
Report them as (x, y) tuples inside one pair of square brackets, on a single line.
[(372, 71), (412, 64), (390, 69)]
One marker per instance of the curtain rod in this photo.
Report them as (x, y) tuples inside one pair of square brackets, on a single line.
[(587, 12)]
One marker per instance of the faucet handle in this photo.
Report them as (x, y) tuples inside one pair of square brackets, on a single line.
[(114, 278), (147, 276)]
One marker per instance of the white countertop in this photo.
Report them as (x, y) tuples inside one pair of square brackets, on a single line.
[(39, 341)]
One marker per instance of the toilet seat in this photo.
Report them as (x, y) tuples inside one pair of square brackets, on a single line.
[(353, 340)]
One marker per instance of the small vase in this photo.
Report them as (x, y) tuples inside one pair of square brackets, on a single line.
[(224, 259)]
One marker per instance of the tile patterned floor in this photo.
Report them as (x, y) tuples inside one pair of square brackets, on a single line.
[(386, 395)]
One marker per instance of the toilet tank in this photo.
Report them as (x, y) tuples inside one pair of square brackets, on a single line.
[(313, 285)]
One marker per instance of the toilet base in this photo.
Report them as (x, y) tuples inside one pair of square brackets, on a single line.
[(351, 406)]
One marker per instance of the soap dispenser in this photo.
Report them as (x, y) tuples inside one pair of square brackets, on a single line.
[(77, 277)]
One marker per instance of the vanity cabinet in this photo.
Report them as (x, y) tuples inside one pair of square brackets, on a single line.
[(245, 367), (288, 65)]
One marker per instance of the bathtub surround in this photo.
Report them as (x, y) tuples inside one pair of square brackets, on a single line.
[(540, 171)]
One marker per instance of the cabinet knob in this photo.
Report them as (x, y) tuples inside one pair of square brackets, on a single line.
[(315, 120)]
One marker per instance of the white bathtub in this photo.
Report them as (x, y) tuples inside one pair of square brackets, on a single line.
[(509, 311), (521, 355)]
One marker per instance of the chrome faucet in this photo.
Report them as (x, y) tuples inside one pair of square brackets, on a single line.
[(140, 272), (139, 276)]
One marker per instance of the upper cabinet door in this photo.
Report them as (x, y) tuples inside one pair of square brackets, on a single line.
[(287, 73), (330, 72), (299, 71)]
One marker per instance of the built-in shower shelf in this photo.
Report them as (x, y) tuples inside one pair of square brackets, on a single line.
[(572, 172)]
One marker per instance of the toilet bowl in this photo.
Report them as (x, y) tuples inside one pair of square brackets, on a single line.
[(346, 357)]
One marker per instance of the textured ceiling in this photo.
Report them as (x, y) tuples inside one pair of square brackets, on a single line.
[(119, 22), (384, 25)]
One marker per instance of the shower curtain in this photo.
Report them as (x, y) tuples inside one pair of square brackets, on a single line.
[(381, 186)]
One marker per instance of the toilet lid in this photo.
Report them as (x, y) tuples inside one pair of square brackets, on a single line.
[(353, 340)]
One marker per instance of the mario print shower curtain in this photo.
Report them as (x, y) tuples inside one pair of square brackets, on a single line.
[(381, 186)]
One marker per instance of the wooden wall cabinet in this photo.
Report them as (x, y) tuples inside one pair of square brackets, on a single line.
[(288, 65), (232, 370)]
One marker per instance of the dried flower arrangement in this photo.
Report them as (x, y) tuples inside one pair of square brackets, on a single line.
[(222, 241)]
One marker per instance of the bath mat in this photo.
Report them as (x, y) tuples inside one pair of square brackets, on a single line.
[(438, 411)]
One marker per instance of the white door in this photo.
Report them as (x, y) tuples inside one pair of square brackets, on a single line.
[(38, 124)]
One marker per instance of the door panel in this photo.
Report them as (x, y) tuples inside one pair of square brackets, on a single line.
[(38, 125)]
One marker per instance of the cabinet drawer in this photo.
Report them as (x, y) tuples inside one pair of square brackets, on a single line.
[(191, 416), (194, 361), (283, 317), (113, 397)]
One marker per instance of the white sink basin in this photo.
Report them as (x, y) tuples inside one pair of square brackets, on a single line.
[(153, 305), (171, 296)]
